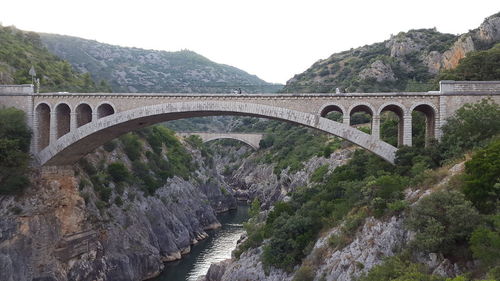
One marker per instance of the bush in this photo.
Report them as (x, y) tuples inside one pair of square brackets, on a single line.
[(471, 125), (132, 146), (305, 273), (485, 242), (118, 172), (319, 174), (482, 178), (442, 220), (109, 146), (398, 269)]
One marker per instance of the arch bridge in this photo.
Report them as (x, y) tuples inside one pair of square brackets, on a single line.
[(67, 126), (252, 139)]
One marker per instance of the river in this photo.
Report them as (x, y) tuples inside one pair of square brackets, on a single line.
[(217, 247)]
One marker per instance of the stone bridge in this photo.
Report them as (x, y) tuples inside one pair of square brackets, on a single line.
[(67, 126), (252, 140)]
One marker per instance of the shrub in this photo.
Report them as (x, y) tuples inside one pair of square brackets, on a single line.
[(118, 172), (398, 269), (132, 146), (485, 242), (471, 125), (319, 174), (109, 146), (305, 273), (442, 220), (482, 178)]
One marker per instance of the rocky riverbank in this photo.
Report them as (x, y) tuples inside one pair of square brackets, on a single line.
[(59, 229)]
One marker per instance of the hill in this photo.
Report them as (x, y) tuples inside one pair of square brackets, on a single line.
[(408, 61), (140, 70), (20, 50)]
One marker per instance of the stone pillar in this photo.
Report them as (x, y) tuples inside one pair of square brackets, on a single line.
[(441, 118), (72, 122), (31, 123), (35, 146), (346, 119), (94, 116), (406, 130), (376, 126), (53, 127)]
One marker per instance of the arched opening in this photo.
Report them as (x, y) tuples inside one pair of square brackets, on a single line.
[(423, 124), (42, 112), (83, 114), (332, 112), (63, 116), (105, 110), (361, 117), (392, 125)]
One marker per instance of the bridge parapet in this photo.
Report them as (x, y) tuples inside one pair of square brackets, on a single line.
[(469, 87)]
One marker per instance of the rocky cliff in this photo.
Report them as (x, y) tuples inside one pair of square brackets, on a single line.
[(60, 229)]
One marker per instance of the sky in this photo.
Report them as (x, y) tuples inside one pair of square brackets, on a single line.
[(272, 39)]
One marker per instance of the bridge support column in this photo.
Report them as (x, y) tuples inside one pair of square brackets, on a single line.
[(34, 139), (346, 119), (376, 126), (53, 127), (72, 121), (406, 127), (94, 115)]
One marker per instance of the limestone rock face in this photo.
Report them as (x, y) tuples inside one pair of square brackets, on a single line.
[(57, 232), (489, 31), (401, 46), (450, 58), (378, 70)]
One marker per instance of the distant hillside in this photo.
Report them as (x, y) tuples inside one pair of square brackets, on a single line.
[(408, 61), (139, 70), (20, 50)]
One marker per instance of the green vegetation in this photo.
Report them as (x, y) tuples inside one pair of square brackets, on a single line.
[(445, 222), (21, 50), (442, 221), (472, 125), (15, 137), (118, 172), (482, 178)]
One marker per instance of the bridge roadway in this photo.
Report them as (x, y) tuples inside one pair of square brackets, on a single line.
[(67, 126)]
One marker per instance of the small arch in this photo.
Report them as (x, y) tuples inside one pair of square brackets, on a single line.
[(388, 113), (105, 109), (329, 109), (42, 115), (356, 111), (83, 114), (63, 119), (430, 113)]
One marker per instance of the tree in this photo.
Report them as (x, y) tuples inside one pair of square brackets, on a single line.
[(15, 137)]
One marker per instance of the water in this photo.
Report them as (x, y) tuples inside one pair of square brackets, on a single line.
[(217, 247)]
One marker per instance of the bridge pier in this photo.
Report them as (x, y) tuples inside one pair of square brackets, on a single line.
[(406, 126), (376, 126), (53, 127)]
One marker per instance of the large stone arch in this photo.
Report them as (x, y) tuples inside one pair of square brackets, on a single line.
[(85, 139)]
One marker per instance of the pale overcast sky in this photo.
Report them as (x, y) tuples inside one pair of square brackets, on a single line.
[(272, 39)]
